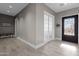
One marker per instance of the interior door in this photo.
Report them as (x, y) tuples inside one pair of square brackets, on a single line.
[(48, 26), (70, 28)]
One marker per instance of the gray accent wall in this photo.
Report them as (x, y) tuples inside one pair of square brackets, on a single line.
[(29, 23), (4, 21), (58, 32)]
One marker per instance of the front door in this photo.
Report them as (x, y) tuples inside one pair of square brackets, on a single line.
[(70, 28)]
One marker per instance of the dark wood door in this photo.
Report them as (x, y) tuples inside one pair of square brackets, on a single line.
[(70, 28)]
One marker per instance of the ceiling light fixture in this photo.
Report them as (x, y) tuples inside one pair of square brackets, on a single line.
[(8, 11), (63, 4), (10, 6)]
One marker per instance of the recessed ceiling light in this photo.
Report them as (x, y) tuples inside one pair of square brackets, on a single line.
[(10, 6), (7, 11), (63, 4)]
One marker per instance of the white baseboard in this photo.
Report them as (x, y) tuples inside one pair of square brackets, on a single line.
[(32, 45), (58, 38), (42, 44)]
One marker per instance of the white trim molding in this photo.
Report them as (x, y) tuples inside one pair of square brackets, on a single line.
[(58, 38), (32, 45), (42, 44)]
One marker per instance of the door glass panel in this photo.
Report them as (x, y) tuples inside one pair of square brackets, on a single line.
[(50, 26), (69, 26), (46, 26), (45, 23)]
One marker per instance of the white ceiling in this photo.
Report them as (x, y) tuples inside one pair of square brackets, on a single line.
[(17, 7), (11, 8), (59, 7)]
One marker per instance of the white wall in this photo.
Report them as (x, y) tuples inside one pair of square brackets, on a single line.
[(25, 24), (40, 8), (30, 23), (58, 32)]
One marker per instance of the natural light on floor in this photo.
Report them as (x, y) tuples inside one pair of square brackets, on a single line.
[(68, 47)]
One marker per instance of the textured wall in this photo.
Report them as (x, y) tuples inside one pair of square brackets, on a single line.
[(9, 20)]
